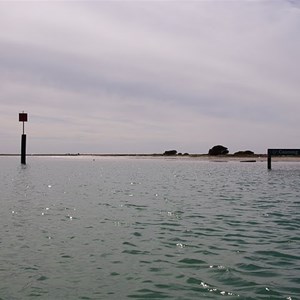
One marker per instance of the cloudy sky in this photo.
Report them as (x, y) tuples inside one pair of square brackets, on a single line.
[(149, 76)]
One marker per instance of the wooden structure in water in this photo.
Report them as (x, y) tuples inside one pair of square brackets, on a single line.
[(23, 118), (281, 152)]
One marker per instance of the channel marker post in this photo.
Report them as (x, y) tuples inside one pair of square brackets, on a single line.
[(23, 118)]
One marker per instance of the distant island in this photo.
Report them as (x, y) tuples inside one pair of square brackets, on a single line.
[(218, 151), (132, 154)]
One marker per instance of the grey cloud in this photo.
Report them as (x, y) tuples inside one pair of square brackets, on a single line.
[(151, 69)]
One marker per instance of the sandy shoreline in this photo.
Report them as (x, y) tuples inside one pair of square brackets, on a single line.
[(203, 157)]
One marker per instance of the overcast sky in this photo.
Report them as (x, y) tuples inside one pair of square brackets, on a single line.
[(150, 76)]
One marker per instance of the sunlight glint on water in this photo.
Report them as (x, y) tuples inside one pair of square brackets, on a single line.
[(115, 228)]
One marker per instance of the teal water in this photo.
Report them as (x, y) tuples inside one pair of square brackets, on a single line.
[(130, 228)]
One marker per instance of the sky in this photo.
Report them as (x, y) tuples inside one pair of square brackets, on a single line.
[(149, 76)]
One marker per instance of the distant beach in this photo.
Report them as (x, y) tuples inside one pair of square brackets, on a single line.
[(217, 158)]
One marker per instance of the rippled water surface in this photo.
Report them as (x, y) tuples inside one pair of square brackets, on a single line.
[(130, 228)]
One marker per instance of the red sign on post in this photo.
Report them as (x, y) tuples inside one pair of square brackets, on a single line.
[(22, 117)]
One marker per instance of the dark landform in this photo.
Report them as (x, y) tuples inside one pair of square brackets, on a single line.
[(219, 151), (131, 154)]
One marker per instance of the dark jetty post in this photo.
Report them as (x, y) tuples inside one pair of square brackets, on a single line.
[(269, 159), (23, 118)]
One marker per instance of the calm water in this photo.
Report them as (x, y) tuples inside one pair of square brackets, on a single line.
[(129, 228)]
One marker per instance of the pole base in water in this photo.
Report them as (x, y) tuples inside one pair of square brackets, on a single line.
[(23, 149)]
